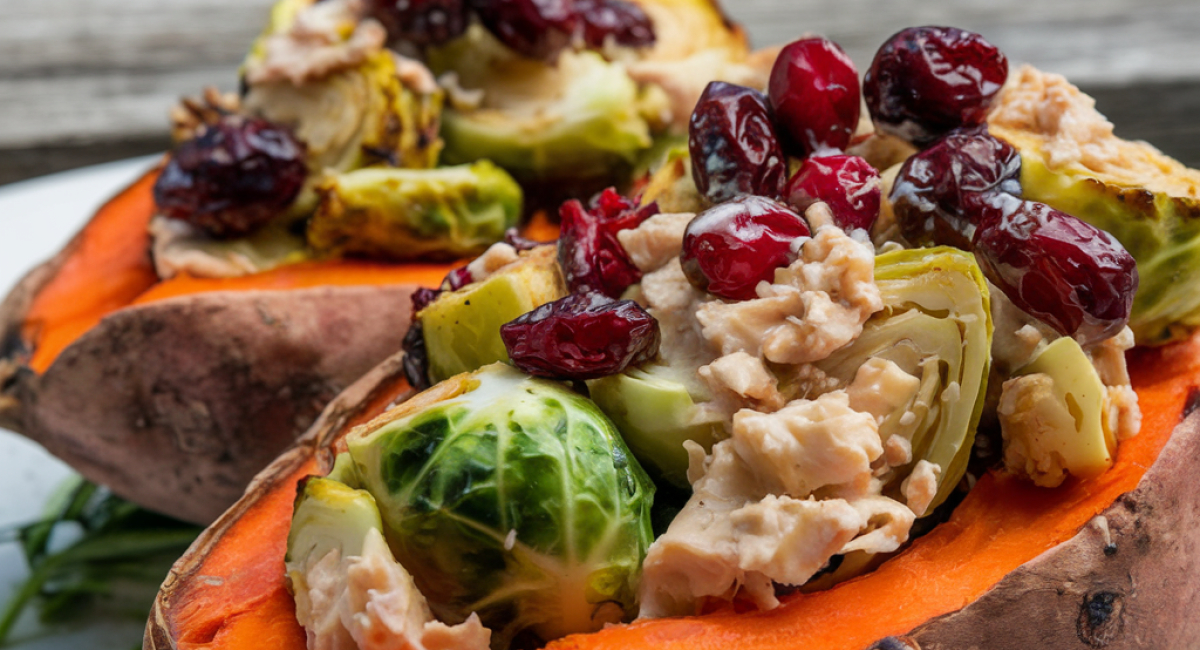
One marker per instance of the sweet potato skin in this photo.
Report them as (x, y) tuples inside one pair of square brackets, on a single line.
[(177, 404), (1130, 588)]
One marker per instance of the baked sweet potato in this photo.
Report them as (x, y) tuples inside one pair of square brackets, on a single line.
[(1107, 562), (175, 393)]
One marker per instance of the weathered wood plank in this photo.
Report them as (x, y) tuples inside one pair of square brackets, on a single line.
[(89, 72)]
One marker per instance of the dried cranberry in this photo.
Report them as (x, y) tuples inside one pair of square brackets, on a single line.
[(925, 81), (457, 279), (927, 197), (849, 184), (582, 336), (728, 249), (421, 22), (538, 29), (733, 144), (416, 357), (233, 178), (591, 256), (513, 238), (625, 22), (815, 96), (1075, 277)]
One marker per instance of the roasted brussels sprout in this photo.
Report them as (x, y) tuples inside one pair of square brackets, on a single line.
[(385, 110), (1052, 419), (656, 414), (414, 214), (462, 328), (935, 325), (516, 499)]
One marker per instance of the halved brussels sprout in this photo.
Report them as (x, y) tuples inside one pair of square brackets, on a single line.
[(656, 415), (1052, 417), (516, 499), (328, 515), (414, 214), (935, 325), (462, 328), (672, 186), (582, 118), (377, 112)]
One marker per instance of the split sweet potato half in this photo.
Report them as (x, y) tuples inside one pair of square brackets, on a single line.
[(1107, 562), (175, 393)]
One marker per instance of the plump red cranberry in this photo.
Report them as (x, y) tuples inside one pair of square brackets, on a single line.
[(815, 96), (539, 29), (1077, 278), (925, 81), (734, 148), (591, 256), (849, 184), (624, 21), (582, 336), (233, 178), (416, 357), (927, 197), (728, 249), (421, 22)]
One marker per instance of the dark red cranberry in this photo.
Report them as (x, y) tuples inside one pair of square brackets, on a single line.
[(539, 29), (233, 178), (591, 256), (421, 22), (815, 96), (513, 238), (925, 81), (848, 184), (927, 197), (457, 279), (582, 336), (1077, 278), (734, 148), (625, 22), (416, 357), (728, 249)]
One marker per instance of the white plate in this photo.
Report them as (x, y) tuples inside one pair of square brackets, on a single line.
[(36, 218)]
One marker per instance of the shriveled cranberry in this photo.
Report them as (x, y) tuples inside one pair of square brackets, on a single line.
[(582, 336), (925, 81), (624, 21), (849, 184), (815, 96), (233, 178), (928, 195), (421, 22), (538, 29), (513, 238), (728, 249), (416, 357), (591, 256), (734, 148), (1077, 278), (457, 279)]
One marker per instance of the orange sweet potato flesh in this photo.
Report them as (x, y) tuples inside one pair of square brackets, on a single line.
[(231, 594)]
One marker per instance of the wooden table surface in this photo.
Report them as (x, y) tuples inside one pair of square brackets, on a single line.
[(86, 81)]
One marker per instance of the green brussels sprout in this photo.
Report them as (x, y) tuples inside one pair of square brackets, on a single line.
[(1052, 417), (672, 186), (1156, 218), (656, 415), (328, 515), (370, 114), (282, 17), (936, 325), (414, 214), (581, 118), (516, 499), (462, 328)]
